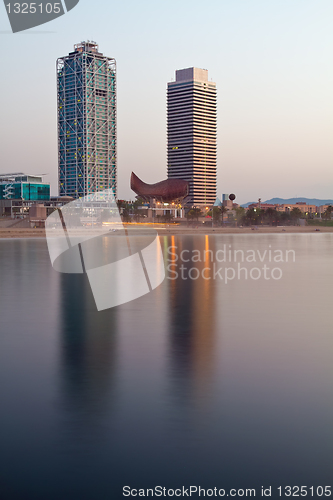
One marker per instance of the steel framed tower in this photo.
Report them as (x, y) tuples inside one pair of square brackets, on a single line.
[(192, 133), (87, 140)]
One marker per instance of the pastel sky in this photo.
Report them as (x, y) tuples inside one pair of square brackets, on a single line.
[(271, 61)]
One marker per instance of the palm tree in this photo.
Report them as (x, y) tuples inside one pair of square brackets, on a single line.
[(271, 215), (296, 213), (197, 213), (215, 214), (328, 212), (240, 214), (223, 211)]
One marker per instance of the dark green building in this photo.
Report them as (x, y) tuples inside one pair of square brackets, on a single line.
[(21, 186)]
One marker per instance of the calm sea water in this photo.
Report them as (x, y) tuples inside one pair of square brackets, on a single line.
[(200, 382)]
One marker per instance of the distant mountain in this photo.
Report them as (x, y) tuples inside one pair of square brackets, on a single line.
[(245, 205), (292, 201)]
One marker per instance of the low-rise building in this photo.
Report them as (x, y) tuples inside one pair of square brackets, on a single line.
[(287, 207), (302, 206), (263, 206), (20, 186), (20, 193), (323, 209)]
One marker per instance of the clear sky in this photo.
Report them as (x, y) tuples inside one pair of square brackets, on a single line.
[(271, 61)]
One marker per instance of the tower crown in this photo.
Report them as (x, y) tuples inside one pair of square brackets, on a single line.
[(88, 46), (190, 74)]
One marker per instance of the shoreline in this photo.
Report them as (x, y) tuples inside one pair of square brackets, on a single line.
[(7, 233)]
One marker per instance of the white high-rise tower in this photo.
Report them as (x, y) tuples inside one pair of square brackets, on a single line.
[(192, 133)]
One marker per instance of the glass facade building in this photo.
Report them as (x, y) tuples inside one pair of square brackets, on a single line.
[(86, 88), (23, 187)]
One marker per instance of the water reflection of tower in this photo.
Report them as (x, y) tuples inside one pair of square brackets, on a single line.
[(192, 320), (87, 349)]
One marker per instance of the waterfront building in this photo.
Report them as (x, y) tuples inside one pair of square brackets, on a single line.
[(20, 186), (19, 191), (86, 89), (302, 206), (287, 207), (191, 103), (263, 206), (322, 209)]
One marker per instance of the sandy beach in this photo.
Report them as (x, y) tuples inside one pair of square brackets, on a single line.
[(176, 229)]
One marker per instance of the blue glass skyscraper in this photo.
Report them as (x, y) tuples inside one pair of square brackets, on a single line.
[(86, 88)]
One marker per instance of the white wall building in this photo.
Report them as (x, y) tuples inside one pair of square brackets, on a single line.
[(192, 133)]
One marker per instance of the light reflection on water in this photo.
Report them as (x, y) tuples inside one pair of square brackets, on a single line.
[(198, 382)]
